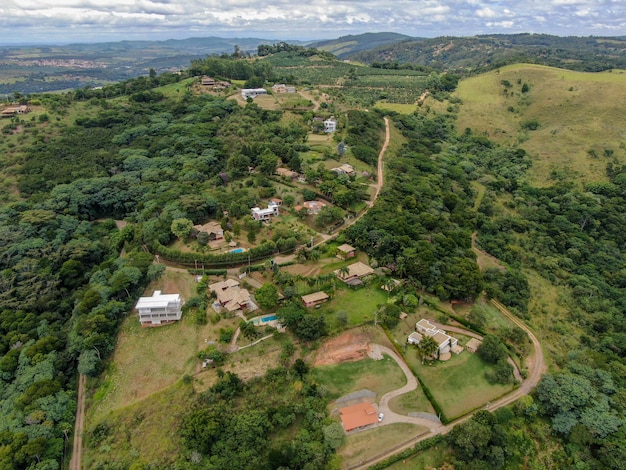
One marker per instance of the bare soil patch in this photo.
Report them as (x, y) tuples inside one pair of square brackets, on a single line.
[(349, 346)]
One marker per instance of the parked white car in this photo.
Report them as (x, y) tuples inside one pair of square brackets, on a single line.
[(380, 417)]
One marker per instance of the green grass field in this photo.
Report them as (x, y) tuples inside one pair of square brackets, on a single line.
[(378, 376), (458, 385), (578, 113), (367, 444), (360, 304), (411, 402)]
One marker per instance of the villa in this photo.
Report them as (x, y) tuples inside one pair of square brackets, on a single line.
[(445, 342), (355, 273), (159, 309), (252, 92), (314, 299), (265, 214)]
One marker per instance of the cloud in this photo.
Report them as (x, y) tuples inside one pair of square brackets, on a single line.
[(96, 20)]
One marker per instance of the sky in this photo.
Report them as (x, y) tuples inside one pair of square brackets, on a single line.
[(70, 21)]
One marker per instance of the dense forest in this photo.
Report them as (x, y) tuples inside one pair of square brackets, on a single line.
[(69, 273)]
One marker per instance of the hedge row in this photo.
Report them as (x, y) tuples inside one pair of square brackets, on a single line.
[(410, 452), (207, 272), (429, 395), (226, 259)]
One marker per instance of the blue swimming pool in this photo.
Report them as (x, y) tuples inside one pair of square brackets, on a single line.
[(266, 319), (237, 250)]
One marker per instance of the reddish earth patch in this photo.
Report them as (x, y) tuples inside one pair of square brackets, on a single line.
[(347, 347)]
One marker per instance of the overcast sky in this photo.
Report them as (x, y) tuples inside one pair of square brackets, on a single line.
[(65, 21)]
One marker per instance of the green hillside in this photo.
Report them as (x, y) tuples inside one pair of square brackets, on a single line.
[(569, 122), (346, 46), (511, 186)]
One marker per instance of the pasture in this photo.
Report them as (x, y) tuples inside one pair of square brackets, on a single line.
[(577, 116)]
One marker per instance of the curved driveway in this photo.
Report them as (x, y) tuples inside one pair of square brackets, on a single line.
[(536, 367), (411, 384)]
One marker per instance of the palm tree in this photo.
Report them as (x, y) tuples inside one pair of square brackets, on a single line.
[(426, 348), (344, 271)]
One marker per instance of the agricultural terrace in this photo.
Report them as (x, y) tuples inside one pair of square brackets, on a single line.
[(538, 108)]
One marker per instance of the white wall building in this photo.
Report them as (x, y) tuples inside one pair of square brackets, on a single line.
[(265, 214), (159, 309), (252, 92)]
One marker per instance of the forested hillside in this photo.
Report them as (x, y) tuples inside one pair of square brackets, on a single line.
[(482, 53), (97, 182)]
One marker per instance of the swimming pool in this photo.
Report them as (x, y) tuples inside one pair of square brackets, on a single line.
[(266, 319), (237, 250)]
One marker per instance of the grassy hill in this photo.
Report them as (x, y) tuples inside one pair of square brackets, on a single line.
[(576, 117)]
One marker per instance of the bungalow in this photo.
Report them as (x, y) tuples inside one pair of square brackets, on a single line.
[(208, 81), (14, 110), (344, 169), (330, 125), (214, 229), (354, 274), (445, 342), (234, 298), (314, 299), (358, 416), (265, 214), (313, 207), (223, 285), (159, 309), (252, 92), (286, 172), (345, 251)]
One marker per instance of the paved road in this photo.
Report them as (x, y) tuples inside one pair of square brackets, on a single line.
[(536, 366)]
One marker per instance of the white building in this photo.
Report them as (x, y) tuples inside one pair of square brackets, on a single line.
[(159, 309), (265, 214), (330, 125), (252, 92), (445, 342)]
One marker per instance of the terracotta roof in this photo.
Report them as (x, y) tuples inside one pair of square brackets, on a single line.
[(210, 227), (357, 416)]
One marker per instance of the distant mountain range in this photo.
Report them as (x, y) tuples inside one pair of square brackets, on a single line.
[(29, 69)]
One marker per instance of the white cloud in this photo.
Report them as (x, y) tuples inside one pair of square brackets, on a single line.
[(71, 20)]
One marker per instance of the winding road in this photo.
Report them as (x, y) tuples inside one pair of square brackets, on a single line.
[(536, 367)]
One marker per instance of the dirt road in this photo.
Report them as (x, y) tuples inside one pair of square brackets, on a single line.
[(77, 451), (379, 186), (536, 366)]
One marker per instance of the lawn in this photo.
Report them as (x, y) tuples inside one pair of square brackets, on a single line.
[(359, 304), (459, 385), (378, 376), (367, 444), (411, 402)]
